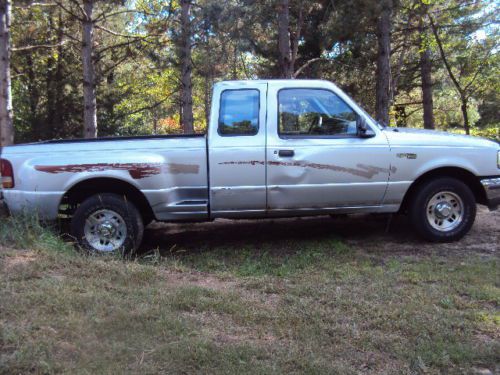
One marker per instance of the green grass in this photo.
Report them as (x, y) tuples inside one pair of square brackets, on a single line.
[(26, 232), (304, 306), (267, 259)]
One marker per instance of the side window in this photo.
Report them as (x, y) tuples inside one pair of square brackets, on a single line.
[(239, 112), (314, 112)]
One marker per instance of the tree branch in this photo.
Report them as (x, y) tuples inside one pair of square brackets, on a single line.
[(79, 6), (309, 62), (63, 7), (118, 45), (443, 55), (108, 69), (28, 48), (409, 103), (34, 4), (294, 37), (103, 15), (119, 34), (479, 70), (149, 107)]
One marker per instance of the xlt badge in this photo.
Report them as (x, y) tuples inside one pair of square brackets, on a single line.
[(407, 156)]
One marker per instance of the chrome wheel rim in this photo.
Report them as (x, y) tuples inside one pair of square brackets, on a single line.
[(105, 231), (445, 211)]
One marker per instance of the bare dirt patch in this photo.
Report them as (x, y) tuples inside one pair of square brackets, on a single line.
[(200, 279), (20, 259)]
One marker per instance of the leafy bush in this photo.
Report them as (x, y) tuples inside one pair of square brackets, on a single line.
[(492, 132)]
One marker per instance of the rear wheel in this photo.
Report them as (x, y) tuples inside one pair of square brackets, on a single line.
[(443, 210), (107, 223)]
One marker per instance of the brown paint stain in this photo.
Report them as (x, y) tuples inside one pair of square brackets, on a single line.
[(366, 171), (136, 170)]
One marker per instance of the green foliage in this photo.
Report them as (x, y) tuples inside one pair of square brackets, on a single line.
[(491, 132)]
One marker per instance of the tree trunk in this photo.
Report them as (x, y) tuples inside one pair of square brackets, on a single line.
[(384, 62), (58, 118), (208, 71), (33, 98), (399, 65), (53, 126), (464, 101), (33, 92), (49, 126), (6, 121), (155, 121), (207, 99), (235, 63), (186, 69), (425, 72), (89, 94), (285, 54)]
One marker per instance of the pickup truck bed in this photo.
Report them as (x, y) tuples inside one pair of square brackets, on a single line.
[(177, 163)]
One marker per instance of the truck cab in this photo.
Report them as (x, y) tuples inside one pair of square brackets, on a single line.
[(293, 147)]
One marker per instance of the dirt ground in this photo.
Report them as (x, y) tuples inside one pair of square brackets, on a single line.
[(372, 233)]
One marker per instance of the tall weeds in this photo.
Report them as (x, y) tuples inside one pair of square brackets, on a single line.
[(27, 232)]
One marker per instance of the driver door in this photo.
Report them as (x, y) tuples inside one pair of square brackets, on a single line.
[(316, 160)]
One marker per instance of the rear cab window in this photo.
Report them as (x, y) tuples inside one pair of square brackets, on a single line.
[(239, 113)]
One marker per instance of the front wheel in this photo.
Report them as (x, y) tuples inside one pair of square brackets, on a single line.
[(107, 223), (443, 210)]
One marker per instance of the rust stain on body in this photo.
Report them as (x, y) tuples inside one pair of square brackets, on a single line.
[(362, 170), (136, 170)]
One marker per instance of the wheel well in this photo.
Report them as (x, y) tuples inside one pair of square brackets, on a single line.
[(471, 180), (83, 190)]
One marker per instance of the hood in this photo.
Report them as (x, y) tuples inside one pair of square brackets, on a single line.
[(424, 137)]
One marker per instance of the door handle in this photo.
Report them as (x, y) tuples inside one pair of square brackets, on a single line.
[(286, 153)]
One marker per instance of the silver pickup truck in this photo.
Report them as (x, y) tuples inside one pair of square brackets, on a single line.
[(274, 148)]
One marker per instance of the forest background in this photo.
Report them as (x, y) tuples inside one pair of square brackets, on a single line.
[(73, 68)]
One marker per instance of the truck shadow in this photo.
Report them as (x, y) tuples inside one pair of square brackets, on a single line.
[(352, 229)]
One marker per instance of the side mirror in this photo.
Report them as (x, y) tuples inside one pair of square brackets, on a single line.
[(363, 130)]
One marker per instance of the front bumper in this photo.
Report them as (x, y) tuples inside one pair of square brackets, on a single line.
[(492, 189)]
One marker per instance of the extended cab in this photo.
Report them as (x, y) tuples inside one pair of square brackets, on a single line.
[(273, 148)]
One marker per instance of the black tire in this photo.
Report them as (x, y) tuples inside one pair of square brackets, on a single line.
[(419, 205), (112, 202)]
